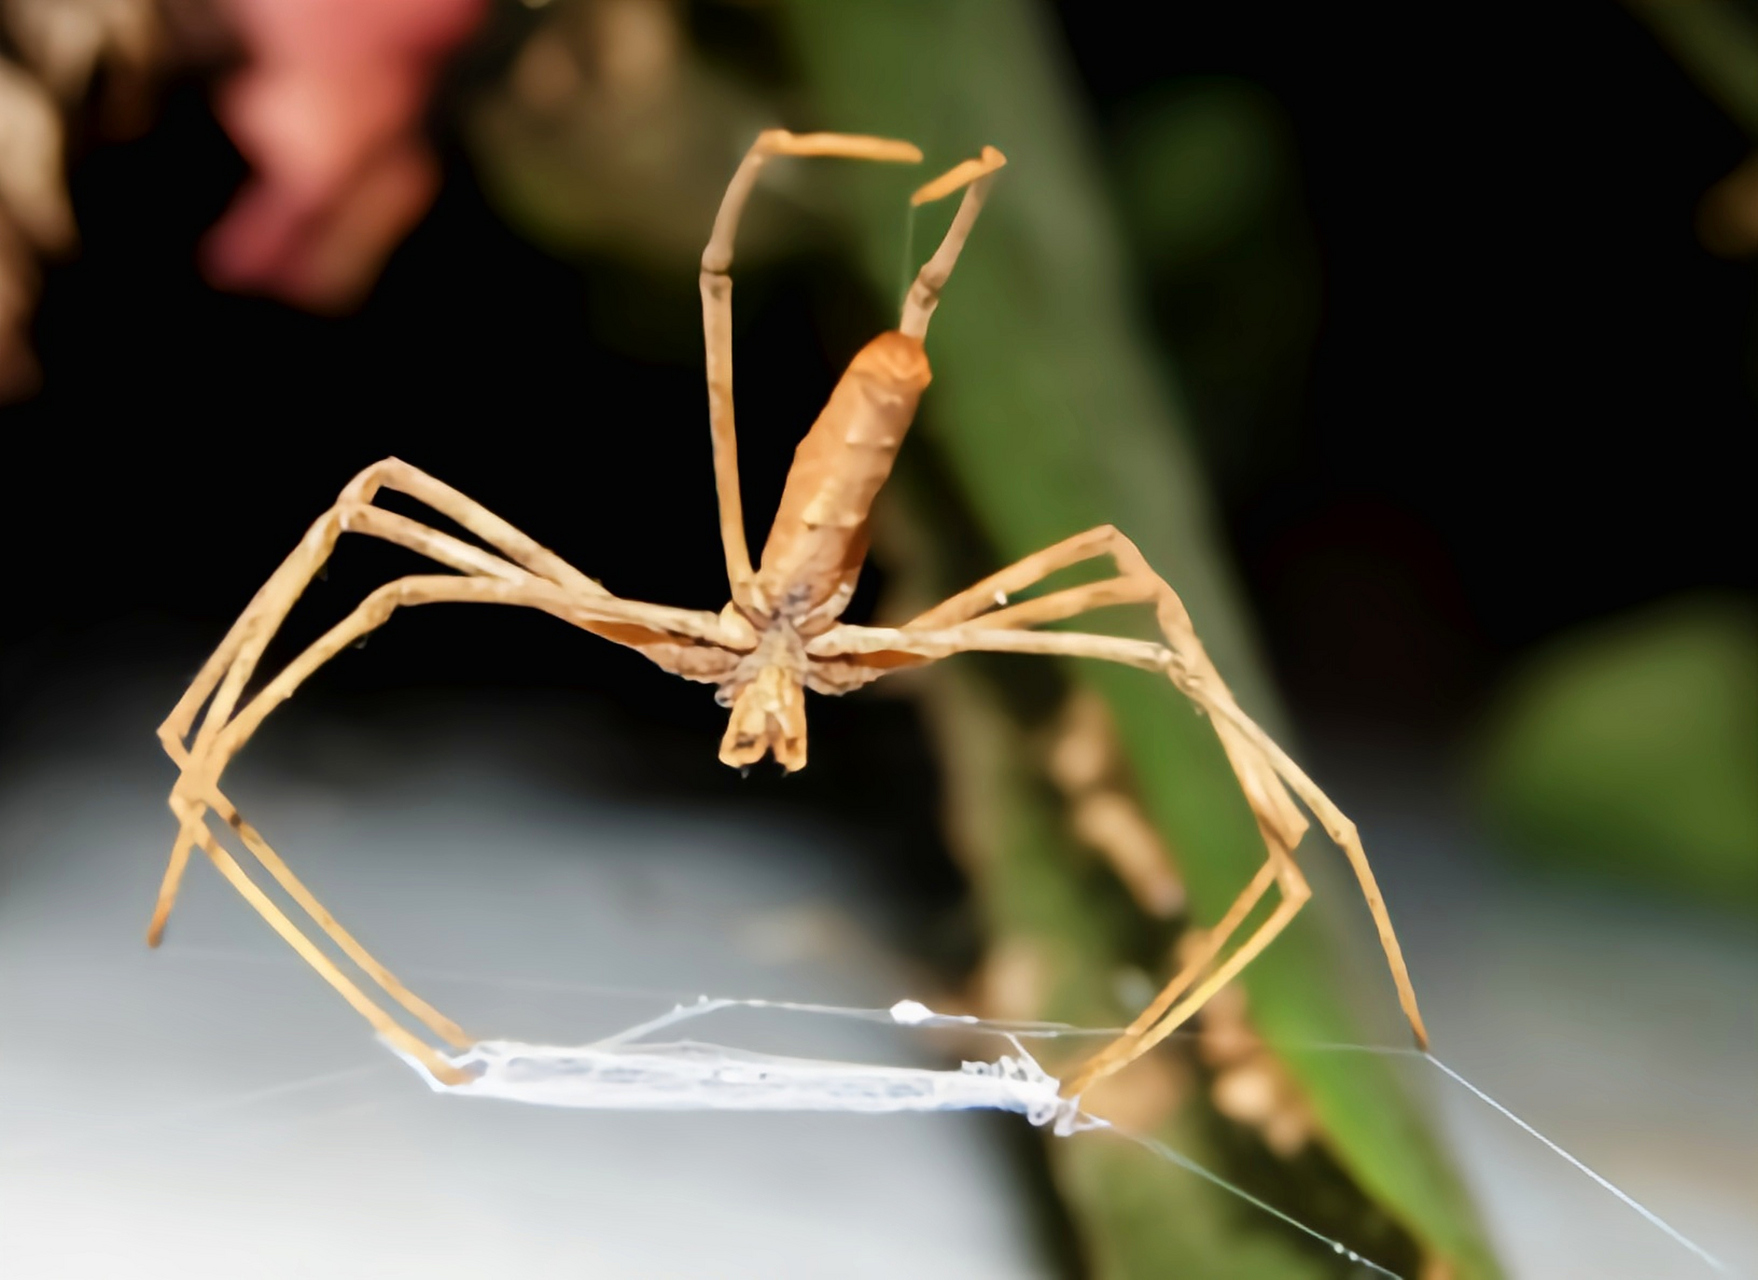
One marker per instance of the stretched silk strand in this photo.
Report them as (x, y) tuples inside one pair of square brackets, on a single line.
[(1185, 1162), (624, 1071), (1015, 1097), (1652, 1217)]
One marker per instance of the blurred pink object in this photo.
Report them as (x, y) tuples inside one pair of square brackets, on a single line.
[(328, 112)]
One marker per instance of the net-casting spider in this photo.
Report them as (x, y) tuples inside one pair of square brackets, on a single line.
[(779, 636)]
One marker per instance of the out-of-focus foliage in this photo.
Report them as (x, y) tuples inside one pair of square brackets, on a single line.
[(1197, 168), (1630, 749), (611, 135), (1717, 42), (1060, 934), (1045, 910), (1208, 192), (60, 46), (1050, 411)]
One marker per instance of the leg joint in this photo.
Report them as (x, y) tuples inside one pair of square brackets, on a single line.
[(365, 486)]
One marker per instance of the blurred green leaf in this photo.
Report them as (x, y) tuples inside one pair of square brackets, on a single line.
[(1207, 180), (609, 133), (1138, 1215), (1050, 409), (1717, 42), (1630, 749), (1198, 164)]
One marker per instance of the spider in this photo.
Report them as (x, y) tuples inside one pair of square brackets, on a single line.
[(778, 636)]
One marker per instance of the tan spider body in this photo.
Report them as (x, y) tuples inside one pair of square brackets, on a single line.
[(778, 636)]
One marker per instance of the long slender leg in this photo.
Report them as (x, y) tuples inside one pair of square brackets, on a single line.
[(992, 592), (222, 678), (259, 848), (845, 641), (229, 669), (203, 764), (611, 616), (1344, 834), (534, 577), (352, 507), (1068, 604), (326, 968), (924, 295), (716, 287), (1279, 825), (1212, 946), (1280, 831), (224, 675), (639, 625), (1129, 1047), (197, 787), (393, 473), (629, 618), (976, 618)]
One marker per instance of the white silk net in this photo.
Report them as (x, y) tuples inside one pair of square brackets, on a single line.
[(629, 1072)]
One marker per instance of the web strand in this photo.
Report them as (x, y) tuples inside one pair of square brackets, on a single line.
[(1173, 1156), (999, 1089), (1652, 1217)]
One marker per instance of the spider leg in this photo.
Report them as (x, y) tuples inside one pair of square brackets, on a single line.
[(991, 592), (1279, 824), (195, 820), (326, 968), (924, 295), (716, 285), (399, 476), (222, 679), (685, 641), (979, 619), (197, 789), (238, 653)]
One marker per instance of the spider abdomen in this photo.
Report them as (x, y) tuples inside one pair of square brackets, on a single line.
[(819, 537)]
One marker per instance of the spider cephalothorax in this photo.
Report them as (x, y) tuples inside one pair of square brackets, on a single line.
[(815, 551)]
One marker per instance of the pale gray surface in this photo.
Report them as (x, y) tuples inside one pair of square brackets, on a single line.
[(212, 1110), (1623, 1027)]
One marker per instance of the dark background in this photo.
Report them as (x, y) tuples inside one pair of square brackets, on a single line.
[(1515, 411), (1519, 413)]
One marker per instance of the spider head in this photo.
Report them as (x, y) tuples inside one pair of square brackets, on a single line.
[(768, 717)]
